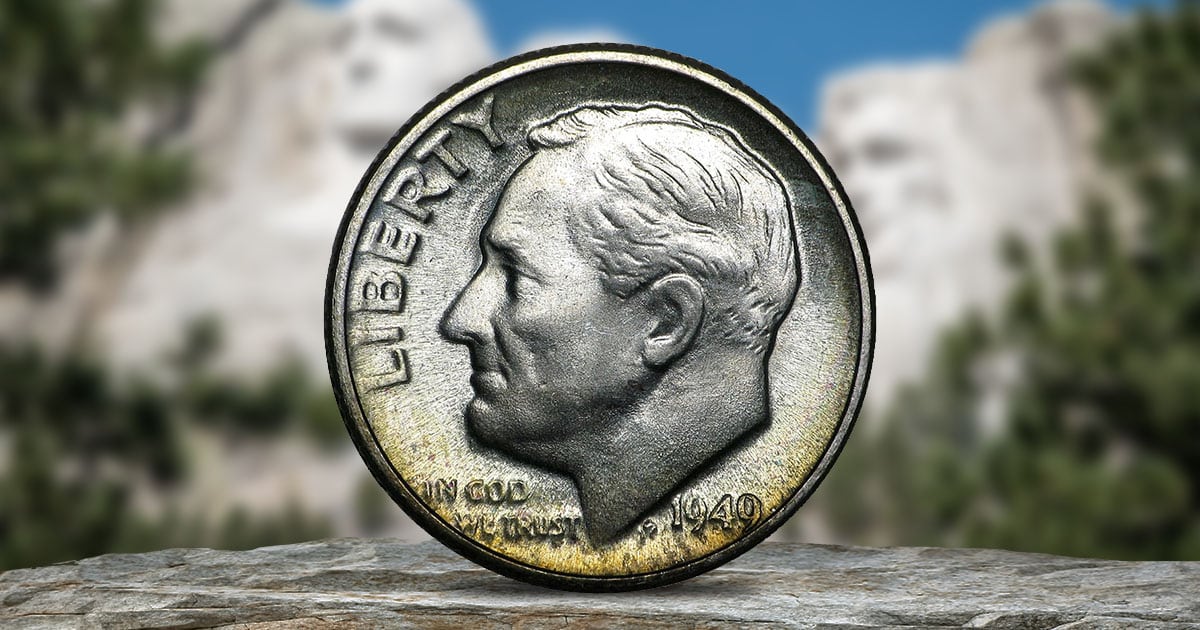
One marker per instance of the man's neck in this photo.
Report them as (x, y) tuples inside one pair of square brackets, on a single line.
[(689, 418)]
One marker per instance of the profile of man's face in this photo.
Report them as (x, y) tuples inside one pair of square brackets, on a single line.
[(620, 321), (551, 349)]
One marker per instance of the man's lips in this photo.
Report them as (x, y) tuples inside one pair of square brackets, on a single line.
[(484, 381)]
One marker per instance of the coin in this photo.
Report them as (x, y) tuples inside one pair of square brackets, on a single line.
[(599, 317)]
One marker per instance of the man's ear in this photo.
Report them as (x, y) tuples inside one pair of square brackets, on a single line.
[(676, 306)]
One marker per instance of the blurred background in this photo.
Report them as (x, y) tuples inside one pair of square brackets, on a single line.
[(172, 174)]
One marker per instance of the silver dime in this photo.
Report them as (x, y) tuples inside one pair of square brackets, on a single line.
[(599, 317)]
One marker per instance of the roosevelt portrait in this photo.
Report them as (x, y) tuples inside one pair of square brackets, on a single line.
[(634, 273)]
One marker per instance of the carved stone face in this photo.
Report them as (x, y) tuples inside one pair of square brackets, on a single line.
[(393, 55), (551, 349), (892, 174)]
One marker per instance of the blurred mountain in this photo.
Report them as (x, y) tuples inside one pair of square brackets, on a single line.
[(1091, 447), (296, 100), (300, 99), (942, 159)]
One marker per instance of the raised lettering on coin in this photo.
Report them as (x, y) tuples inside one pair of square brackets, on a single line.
[(600, 318)]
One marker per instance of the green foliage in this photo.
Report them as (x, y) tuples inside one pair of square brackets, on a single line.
[(88, 93), (82, 440), (73, 74), (914, 479), (1099, 451), (284, 398)]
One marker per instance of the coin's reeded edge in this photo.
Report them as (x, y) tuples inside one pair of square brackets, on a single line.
[(345, 390)]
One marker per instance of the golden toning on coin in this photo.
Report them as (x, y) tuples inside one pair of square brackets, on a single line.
[(599, 317)]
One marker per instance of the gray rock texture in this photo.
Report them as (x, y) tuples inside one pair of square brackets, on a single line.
[(351, 583)]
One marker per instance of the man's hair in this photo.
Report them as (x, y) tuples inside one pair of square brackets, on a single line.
[(689, 197)]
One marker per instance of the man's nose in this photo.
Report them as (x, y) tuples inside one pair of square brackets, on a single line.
[(361, 70), (466, 321)]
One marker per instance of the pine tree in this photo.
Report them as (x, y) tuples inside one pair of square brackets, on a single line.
[(74, 74), (1102, 452)]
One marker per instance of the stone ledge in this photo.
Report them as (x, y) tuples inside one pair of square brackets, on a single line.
[(347, 583)]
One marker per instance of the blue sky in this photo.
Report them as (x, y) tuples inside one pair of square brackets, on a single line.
[(782, 49)]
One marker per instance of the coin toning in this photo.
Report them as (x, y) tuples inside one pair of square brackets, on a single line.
[(599, 318)]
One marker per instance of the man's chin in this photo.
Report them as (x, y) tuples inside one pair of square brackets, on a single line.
[(498, 429), (485, 423)]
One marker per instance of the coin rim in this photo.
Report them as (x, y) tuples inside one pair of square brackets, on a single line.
[(336, 288)]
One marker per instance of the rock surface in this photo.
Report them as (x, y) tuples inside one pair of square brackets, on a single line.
[(352, 583)]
